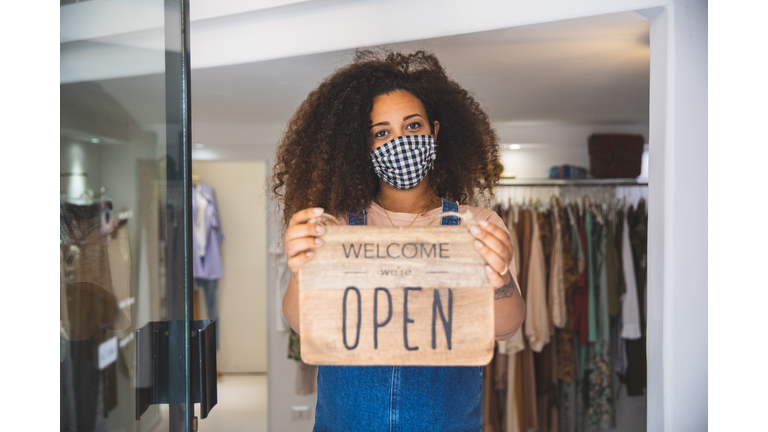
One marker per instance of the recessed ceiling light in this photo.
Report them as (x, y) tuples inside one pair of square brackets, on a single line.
[(199, 145), (515, 146), (95, 140)]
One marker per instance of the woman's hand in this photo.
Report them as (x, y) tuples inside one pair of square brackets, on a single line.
[(495, 246), (302, 238)]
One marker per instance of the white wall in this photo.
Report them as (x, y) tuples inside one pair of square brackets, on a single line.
[(678, 220), (243, 289)]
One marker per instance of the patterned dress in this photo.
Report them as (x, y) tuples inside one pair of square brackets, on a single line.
[(600, 409)]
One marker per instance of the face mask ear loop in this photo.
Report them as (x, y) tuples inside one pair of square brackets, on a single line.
[(433, 162)]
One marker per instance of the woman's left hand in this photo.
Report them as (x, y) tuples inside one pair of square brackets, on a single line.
[(495, 246)]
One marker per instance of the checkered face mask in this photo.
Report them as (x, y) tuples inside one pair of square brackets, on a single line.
[(404, 162)]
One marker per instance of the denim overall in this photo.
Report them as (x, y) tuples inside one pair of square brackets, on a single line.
[(399, 398)]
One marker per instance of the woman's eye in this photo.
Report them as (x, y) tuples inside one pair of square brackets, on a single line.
[(380, 134), (413, 126)]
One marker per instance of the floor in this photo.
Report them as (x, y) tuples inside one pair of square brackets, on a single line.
[(241, 406)]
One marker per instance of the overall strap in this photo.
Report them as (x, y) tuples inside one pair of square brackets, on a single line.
[(358, 218), (361, 218), (449, 206)]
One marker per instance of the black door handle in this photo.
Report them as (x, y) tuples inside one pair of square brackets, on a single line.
[(157, 375)]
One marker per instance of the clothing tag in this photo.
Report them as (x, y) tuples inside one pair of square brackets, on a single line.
[(107, 353)]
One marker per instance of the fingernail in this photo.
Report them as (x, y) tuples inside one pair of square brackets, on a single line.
[(317, 211), (319, 241), (320, 229), (475, 230), (310, 254), (479, 244), (488, 269), (483, 223)]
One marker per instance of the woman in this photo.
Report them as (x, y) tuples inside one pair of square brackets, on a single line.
[(391, 140)]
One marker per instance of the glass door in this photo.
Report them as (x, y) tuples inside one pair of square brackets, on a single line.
[(126, 332)]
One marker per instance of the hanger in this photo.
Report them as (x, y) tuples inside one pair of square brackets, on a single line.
[(571, 216)]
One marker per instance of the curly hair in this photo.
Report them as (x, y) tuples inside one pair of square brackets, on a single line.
[(323, 158)]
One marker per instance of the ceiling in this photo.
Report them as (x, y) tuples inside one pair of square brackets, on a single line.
[(590, 70), (593, 70)]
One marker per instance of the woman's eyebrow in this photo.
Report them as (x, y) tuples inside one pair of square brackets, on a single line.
[(386, 123)]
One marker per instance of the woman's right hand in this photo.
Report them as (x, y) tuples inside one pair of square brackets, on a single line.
[(302, 237)]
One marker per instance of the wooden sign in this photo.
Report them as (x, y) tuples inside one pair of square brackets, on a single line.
[(396, 296)]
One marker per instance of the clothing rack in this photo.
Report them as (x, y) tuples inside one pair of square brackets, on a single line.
[(605, 191), (573, 182), (579, 263)]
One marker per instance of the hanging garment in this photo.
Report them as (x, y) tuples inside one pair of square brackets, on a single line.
[(500, 373), (581, 385), (557, 307), (588, 219), (294, 346), (119, 252), (537, 318), (620, 361), (67, 408), (638, 223), (566, 360), (92, 312), (520, 394), (207, 265), (545, 234), (567, 406), (306, 375), (526, 391), (511, 422), (546, 386), (581, 324), (512, 416), (619, 229), (600, 410), (564, 336), (630, 309), (515, 241), (306, 378), (636, 376), (612, 266), (581, 291)]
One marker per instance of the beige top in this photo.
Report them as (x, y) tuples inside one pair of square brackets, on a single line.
[(537, 319)]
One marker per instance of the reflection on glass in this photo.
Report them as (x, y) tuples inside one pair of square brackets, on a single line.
[(121, 231)]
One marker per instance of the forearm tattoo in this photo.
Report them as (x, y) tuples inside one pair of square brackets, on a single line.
[(507, 290)]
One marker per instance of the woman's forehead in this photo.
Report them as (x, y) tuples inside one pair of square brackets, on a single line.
[(396, 104)]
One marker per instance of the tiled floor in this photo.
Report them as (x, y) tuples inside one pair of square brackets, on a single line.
[(241, 407)]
